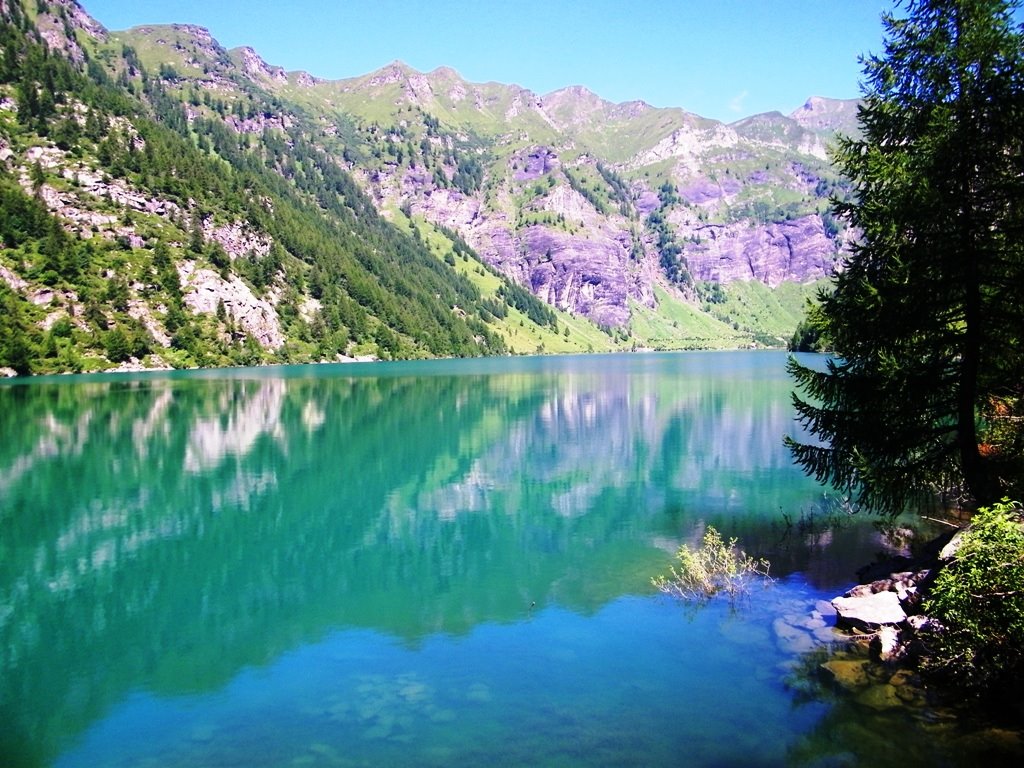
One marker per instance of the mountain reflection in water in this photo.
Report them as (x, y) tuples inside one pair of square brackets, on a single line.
[(164, 532)]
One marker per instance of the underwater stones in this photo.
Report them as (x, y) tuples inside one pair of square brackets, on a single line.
[(849, 674), (825, 608), (870, 611), (908, 688), (879, 697), (798, 630), (413, 691), (871, 686), (792, 639), (827, 634)]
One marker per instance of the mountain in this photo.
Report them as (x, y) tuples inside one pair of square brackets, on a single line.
[(170, 202)]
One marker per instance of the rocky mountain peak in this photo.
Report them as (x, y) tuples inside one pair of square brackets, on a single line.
[(445, 73), (63, 15), (607, 211), (254, 65), (827, 115), (575, 103), (394, 72), (190, 44)]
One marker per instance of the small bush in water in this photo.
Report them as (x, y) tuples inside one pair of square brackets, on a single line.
[(714, 567)]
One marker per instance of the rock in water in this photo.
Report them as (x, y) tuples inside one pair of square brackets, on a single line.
[(869, 611), (886, 644)]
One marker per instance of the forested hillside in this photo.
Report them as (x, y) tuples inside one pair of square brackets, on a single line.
[(169, 203)]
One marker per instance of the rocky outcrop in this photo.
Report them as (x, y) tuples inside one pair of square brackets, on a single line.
[(74, 206), (687, 145), (799, 250), (828, 116), (62, 17), (237, 239), (257, 124), (584, 267), (587, 277), (254, 66), (204, 290), (12, 279), (533, 163), (306, 80), (885, 611)]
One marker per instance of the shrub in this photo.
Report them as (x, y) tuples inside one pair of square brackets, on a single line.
[(979, 599), (715, 567)]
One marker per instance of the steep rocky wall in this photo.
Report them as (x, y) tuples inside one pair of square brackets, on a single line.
[(205, 289), (586, 270), (797, 250)]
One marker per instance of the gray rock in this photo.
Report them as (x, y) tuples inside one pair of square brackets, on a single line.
[(869, 611), (205, 289), (791, 639), (825, 608), (861, 590), (949, 551), (886, 644)]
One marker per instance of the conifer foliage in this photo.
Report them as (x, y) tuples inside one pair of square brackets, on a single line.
[(924, 393)]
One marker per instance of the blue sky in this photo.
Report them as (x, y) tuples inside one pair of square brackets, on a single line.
[(723, 59)]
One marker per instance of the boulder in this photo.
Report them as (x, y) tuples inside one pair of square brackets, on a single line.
[(849, 674), (879, 697), (886, 644), (948, 552), (869, 611), (792, 639)]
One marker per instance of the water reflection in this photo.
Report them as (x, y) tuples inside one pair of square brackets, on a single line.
[(166, 532)]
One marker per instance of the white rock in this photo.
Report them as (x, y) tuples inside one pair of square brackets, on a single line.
[(869, 611)]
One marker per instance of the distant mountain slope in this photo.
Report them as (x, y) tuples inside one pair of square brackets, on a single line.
[(167, 201)]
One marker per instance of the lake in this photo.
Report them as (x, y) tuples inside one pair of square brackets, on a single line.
[(422, 563)]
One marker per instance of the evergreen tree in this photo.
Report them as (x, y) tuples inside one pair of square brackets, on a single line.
[(926, 319), (15, 349)]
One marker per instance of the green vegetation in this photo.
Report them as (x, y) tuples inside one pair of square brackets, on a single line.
[(676, 324), (925, 392), (979, 600), (806, 338), (716, 567)]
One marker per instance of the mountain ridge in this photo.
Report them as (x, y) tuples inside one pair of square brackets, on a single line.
[(613, 215)]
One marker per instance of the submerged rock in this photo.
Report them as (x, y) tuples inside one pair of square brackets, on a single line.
[(879, 697), (849, 674), (792, 639)]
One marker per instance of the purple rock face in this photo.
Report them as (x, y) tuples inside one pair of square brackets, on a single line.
[(797, 250), (646, 201), (704, 190), (534, 164), (587, 277)]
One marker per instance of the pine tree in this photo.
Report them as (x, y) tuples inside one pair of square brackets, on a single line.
[(926, 319)]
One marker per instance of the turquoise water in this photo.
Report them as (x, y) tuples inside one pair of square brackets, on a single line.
[(432, 563)]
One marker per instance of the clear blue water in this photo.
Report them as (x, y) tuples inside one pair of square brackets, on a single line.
[(431, 563)]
